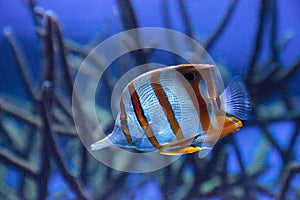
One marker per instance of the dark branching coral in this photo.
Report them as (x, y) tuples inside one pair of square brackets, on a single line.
[(49, 119)]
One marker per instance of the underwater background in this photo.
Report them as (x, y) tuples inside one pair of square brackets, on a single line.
[(42, 46)]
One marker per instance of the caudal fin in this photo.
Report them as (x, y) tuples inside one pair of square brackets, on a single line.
[(101, 144), (235, 100)]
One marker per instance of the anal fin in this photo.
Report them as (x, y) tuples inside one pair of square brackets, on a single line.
[(182, 150)]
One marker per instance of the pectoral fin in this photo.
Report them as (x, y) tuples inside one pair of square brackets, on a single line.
[(182, 143)]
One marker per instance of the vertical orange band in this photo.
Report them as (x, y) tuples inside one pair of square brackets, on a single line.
[(141, 116), (124, 123), (164, 102)]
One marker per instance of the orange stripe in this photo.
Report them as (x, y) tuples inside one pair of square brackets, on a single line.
[(123, 122), (200, 103), (139, 112), (164, 102)]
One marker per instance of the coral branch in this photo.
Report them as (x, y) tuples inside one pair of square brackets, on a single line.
[(18, 113), (291, 172), (274, 32), (47, 95), (21, 63), (49, 59), (69, 83), (65, 107), (46, 129), (294, 137), (258, 37), (239, 157), (186, 20), (265, 191), (127, 14), (84, 51), (130, 22), (271, 139), (27, 117), (165, 10), (46, 105), (286, 74), (31, 5), (221, 27), (24, 167), (62, 55)]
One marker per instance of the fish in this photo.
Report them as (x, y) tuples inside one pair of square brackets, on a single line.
[(177, 109)]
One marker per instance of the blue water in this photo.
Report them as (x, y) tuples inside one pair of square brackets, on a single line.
[(81, 20)]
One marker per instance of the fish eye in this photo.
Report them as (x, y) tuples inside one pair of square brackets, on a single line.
[(190, 76)]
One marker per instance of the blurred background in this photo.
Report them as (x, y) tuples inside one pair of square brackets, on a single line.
[(42, 46)]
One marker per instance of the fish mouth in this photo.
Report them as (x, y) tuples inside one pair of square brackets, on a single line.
[(231, 125)]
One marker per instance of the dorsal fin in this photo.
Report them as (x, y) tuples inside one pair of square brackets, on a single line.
[(235, 100)]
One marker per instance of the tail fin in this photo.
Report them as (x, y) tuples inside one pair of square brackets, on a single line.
[(101, 144), (235, 100)]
